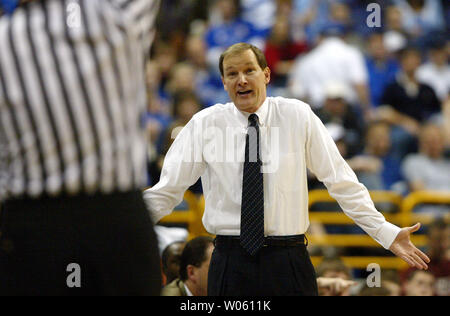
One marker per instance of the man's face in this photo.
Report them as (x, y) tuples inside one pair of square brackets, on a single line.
[(201, 273), (439, 56), (376, 47), (173, 261), (410, 62), (379, 140), (422, 284), (227, 8), (245, 81), (393, 288), (336, 106), (432, 142)]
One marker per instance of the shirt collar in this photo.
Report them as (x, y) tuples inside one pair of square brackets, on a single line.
[(188, 292), (262, 114)]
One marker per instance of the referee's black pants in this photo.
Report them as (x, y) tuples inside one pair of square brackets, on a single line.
[(83, 245), (273, 271)]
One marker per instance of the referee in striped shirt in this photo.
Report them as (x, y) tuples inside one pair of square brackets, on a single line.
[(72, 148)]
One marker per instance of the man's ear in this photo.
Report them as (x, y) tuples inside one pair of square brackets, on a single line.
[(190, 272), (224, 84), (267, 74)]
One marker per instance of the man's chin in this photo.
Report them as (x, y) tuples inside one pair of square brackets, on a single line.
[(244, 105)]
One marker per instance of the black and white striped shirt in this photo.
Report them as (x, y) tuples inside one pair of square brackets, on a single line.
[(72, 96)]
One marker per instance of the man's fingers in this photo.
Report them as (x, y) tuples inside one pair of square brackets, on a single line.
[(343, 285), (414, 228), (419, 262), (423, 256), (408, 260)]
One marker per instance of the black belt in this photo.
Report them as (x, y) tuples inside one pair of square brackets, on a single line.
[(276, 241)]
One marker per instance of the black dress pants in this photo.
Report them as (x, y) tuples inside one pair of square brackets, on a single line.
[(83, 245), (273, 271)]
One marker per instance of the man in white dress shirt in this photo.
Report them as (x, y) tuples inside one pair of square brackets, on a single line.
[(332, 60), (217, 146)]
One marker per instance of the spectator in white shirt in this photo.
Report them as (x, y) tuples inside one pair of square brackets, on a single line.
[(333, 60), (420, 17), (429, 169), (213, 145), (436, 72)]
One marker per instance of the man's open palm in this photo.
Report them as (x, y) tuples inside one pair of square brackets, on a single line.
[(403, 248)]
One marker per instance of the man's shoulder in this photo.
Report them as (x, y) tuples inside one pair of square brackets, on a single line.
[(415, 160), (394, 87), (289, 104), (426, 88), (282, 104), (426, 68), (213, 111), (175, 288)]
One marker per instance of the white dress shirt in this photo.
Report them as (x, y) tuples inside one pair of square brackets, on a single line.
[(188, 292), (436, 77), (293, 138)]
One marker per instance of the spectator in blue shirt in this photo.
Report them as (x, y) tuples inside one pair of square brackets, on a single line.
[(380, 67), (260, 13), (231, 30), (208, 85), (421, 17)]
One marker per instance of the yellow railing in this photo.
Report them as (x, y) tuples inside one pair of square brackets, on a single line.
[(363, 262), (339, 218), (419, 197), (192, 217), (343, 240), (405, 217)]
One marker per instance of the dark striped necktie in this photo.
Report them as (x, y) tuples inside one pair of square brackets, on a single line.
[(252, 208)]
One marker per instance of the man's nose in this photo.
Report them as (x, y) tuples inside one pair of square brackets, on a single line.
[(242, 79)]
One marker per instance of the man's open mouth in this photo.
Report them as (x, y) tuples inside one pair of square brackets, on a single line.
[(244, 92)]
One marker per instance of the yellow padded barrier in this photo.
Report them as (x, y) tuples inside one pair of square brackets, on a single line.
[(338, 240), (324, 217), (363, 262), (190, 217), (419, 197)]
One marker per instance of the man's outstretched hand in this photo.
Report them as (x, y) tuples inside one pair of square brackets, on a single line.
[(403, 248)]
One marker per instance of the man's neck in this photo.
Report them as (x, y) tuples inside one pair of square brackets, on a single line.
[(255, 109), (410, 77), (380, 61), (191, 287)]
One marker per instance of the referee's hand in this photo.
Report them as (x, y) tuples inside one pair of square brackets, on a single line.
[(403, 248)]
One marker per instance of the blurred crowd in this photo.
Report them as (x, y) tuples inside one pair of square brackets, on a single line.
[(376, 73)]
